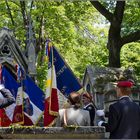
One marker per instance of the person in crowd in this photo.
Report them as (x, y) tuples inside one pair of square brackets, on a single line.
[(6, 97), (124, 115), (88, 105), (73, 115)]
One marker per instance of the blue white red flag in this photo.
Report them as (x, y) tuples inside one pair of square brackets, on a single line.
[(51, 97), (6, 114), (18, 117), (29, 104), (60, 79), (33, 102)]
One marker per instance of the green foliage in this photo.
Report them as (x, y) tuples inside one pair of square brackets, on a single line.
[(75, 28), (131, 19), (130, 57), (70, 26), (42, 75)]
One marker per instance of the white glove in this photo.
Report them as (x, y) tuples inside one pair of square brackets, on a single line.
[(1, 86), (100, 123), (100, 113)]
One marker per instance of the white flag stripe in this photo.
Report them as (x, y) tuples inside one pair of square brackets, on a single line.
[(10, 111), (61, 99), (19, 98), (36, 111), (51, 79)]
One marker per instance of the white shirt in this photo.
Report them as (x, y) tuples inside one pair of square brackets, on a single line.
[(87, 105), (124, 97), (77, 117)]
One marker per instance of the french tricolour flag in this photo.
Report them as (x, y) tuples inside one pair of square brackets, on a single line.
[(33, 104), (51, 94), (6, 114)]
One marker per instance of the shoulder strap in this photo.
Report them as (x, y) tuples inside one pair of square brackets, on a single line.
[(65, 117)]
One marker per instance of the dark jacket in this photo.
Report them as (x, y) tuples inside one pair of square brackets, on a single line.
[(91, 110), (124, 119), (8, 98)]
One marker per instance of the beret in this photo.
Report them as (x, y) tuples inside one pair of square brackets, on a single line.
[(124, 84)]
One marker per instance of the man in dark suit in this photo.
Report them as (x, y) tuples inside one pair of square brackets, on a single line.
[(124, 115), (88, 105)]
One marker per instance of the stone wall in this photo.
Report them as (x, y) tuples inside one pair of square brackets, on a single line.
[(88, 132)]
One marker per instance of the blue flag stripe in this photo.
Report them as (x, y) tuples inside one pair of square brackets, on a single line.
[(9, 82), (66, 80), (34, 92)]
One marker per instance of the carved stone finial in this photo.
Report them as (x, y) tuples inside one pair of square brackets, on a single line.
[(31, 44)]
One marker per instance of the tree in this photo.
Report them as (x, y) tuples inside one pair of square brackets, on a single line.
[(130, 57), (116, 37), (68, 24)]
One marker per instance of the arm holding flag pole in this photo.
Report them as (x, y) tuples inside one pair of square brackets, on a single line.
[(6, 97)]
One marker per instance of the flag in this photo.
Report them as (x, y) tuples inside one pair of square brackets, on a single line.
[(61, 79), (33, 102), (6, 114), (51, 98), (18, 116), (29, 104), (66, 80)]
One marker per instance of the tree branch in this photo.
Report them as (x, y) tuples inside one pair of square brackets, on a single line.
[(41, 28), (32, 2), (9, 12), (102, 10), (23, 11), (119, 10), (131, 37), (14, 2)]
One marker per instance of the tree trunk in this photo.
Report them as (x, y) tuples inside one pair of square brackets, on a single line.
[(114, 43), (114, 53)]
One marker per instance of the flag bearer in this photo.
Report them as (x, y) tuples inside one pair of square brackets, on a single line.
[(6, 97)]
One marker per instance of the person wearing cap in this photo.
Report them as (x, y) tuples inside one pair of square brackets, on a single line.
[(73, 116), (88, 105), (124, 115), (6, 98)]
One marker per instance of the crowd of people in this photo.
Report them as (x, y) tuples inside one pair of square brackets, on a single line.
[(123, 120)]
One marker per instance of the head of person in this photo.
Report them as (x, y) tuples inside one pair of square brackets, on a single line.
[(86, 98), (124, 88), (75, 99)]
